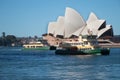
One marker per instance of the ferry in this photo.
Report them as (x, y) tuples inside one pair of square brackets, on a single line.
[(84, 45), (35, 46)]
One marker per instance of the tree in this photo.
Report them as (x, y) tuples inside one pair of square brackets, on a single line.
[(3, 34), (35, 37), (3, 39), (10, 39)]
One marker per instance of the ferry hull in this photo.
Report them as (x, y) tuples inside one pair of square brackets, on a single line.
[(83, 52)]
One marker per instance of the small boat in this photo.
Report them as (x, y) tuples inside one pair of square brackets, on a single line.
[(35, 46), (84, 45)]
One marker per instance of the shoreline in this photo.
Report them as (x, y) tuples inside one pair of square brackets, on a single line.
[(115, 45)]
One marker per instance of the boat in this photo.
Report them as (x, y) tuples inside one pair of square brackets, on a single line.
[(84, 45), (37, 45)]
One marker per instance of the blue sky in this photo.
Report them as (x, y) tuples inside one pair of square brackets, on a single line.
[(31, 17)]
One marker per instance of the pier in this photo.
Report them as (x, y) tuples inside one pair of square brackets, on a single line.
[(108, 44), (115, 45)]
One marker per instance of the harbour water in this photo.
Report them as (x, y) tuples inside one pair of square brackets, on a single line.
[(16, 64)]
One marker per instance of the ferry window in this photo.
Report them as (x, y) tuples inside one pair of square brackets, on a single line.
[(82, 44), (74, 44), (71, 44), (96, 42)]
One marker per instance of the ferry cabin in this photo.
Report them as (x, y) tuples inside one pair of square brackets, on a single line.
[(33, 45), (83, 42)]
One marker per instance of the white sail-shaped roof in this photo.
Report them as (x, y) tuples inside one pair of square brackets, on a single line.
[(73, 24), (73, 21), (60, 26), (79, 31), (92, 17), (56, 28), (95, 25), (85, 31), (51, 27), (103, 30)]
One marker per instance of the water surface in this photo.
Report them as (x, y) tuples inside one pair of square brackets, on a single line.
[(16, 64)]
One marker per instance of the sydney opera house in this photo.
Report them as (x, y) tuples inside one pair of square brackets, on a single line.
[(72, 24)]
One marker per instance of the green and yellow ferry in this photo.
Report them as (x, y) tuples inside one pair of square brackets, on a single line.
[(35, 46), (84, 45)]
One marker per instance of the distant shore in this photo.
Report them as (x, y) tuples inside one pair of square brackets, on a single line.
[(115, 45)]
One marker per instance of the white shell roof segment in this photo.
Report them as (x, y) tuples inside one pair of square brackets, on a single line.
[(78, 32), (74, 18), (73, 21), (92, 17), (60, 26), (95, 24), (51, 27)]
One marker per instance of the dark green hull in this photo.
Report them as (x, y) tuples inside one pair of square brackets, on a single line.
[(83, 52), (40, 48)]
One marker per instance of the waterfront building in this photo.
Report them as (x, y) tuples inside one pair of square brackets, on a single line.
[(72, 24)]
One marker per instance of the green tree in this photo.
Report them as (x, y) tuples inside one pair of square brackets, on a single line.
[(3, 34), (3, 39), (10, 39)]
